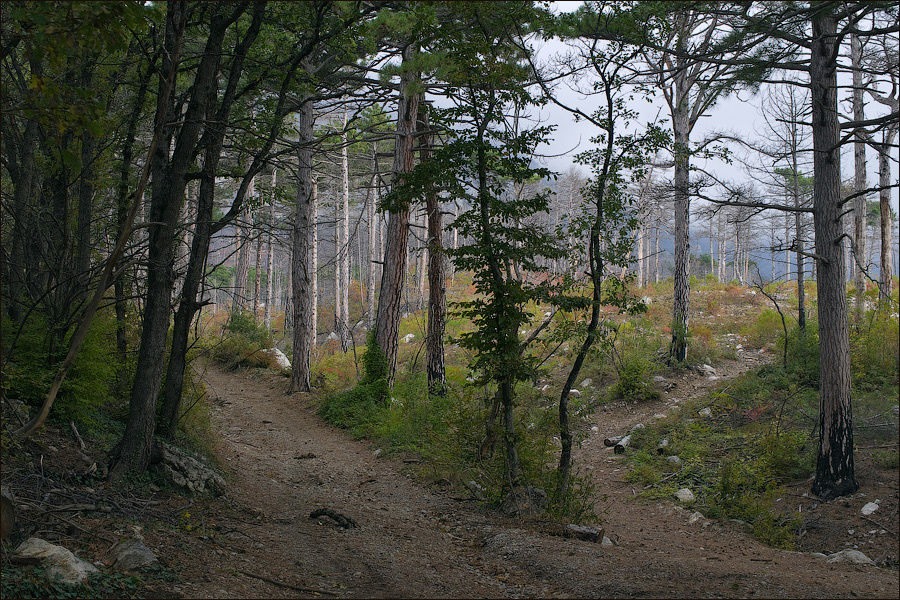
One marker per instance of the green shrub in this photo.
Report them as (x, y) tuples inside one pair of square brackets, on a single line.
[(764, 330), (244, 336), (875, 353), (635, 377), (89, 383), (25, 582)]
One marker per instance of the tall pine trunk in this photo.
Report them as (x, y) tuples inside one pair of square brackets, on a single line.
[(434, 335), (302, 270), (834, 464), (859, 182), (387, 320)]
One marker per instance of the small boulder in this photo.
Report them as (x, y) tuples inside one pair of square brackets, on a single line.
[(275, 359), (706, 370), (869, 508), (587, 382), (659, 379), (408, 338), (586, 533), (575, 393), (674, 460), (545, 387), (607, 543), (377, 452), (685, 495), (131, 555), (333, 336), (705, 412), (852, 557), (56, 560), (695, 517)]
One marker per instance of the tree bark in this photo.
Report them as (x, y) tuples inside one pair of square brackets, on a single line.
[(342, 309), (302, 270), (884, 208), (167, 197), (859, 182), (270, 262), (370, 271), (434, 336), (681, 301), (834, 464), (387, 320)]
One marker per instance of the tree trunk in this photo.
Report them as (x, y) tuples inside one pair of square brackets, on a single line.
[(681, 301), (387, 320), (342, 310), (370, 270), (434, 336), (834, 465), (302, 270), (884, 205), (167, 197), (859, 182), (640, 257), (270, 263), (314, 262)]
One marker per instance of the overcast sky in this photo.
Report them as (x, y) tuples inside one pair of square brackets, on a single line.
[(738, 114)]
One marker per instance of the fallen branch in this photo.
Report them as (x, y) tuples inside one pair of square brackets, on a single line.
[(77, 436), (281, 584)]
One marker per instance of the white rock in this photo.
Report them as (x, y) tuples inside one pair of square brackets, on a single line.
[(659, 416), (659, 379), (332, 336), (685, 495), (575, 393), (545, 387), (606, 543), (705, 412), (853, 557), (869, 508), (377, 453), (674, 460), (408, 338), (706, 369), (595, 429), (695, 516), (57, 560), (587, 382), (713, 377), (647, 300), (818, 554), (547, 314), (275, 359)]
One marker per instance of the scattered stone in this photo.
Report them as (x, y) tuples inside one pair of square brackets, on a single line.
[(685, 495), (470, 379), (408, 338), (575, 393), (818, 554), (131, 555), (662, 445), (706, 369), (740, 523), (713, 378), (695, 516), (852, 557), (56, 560), (659, 416), (546, 314), (333, 336), (647, 300), (595, 429), (659, 379), (587, 382), (705, 412), (869, 508), (185, 470), (377, 453), (674, 460), (524, 501), (275, 359), (586, 533), (545, 387), (607, 543)]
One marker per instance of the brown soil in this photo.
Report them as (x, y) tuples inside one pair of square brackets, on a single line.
[(412, 540)]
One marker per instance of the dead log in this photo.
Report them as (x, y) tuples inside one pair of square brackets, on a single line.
[(619, 448), (611, 441)]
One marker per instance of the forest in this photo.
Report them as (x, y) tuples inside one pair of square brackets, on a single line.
[(384, 298)]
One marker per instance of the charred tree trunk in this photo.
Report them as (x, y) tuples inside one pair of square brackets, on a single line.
[(835, 474)]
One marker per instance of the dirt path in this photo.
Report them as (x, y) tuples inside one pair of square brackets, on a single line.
[(412, 541)]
